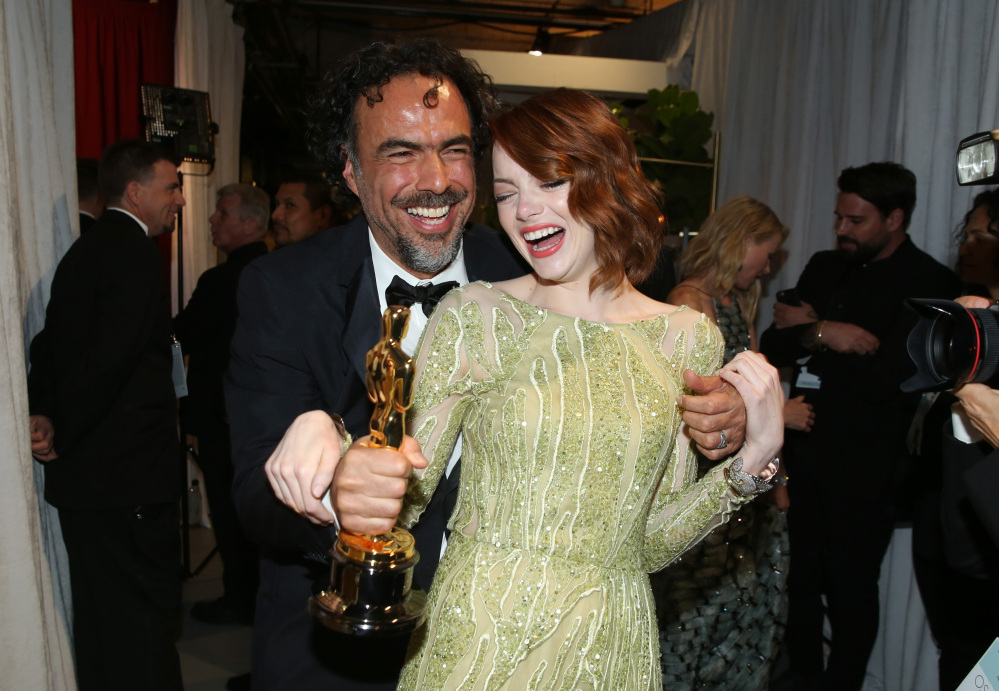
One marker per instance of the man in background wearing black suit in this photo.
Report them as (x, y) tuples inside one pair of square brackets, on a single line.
[(88, 192), (204, 328), (103, 421)]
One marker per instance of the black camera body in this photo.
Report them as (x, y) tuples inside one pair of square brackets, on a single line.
[(952, 345)]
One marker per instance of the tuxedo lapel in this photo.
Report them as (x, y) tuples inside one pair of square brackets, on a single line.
[(476, 261), (363, 318)]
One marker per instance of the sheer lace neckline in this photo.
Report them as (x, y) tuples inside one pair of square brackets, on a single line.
[(543, 310)]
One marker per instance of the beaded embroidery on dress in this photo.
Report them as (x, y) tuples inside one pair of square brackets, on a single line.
[(575, 483), (732, 325)]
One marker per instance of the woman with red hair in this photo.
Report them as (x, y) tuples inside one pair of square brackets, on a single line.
[(577, 475)]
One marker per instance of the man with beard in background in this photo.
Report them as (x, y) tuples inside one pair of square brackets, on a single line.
[(302, 207), (852, 327)]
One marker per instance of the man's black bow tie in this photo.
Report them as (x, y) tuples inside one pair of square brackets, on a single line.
[(401, 293)]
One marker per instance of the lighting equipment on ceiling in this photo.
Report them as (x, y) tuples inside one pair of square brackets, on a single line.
[(542, 42)]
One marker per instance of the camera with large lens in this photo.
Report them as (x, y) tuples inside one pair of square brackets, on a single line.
[(952, 345)]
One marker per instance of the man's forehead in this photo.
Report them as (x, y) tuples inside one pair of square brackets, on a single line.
[(412, 100), (291, 190), (853, 204)]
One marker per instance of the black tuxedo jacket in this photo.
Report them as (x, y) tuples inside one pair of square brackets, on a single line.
[(204, 328), (101, 370), (86, 222), (308, 314)]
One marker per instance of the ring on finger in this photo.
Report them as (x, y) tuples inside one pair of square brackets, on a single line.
[(724, 441)]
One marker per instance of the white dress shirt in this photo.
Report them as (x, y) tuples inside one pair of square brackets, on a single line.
[(145, 228), (385, 270)]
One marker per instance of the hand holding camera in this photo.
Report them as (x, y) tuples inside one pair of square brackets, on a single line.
[(981, 403)]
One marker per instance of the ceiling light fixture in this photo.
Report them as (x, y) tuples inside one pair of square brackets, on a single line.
[(542, 42)]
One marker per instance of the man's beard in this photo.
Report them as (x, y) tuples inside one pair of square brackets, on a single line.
[(863, 253), (436, 252), (429, 260)]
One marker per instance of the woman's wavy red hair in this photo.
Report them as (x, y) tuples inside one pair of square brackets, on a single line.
[(571, 134)]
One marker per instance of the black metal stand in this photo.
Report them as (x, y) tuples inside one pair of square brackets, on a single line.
[(181, 119), (185, 448)]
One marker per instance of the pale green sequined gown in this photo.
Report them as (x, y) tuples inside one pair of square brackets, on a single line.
[(575, 482)]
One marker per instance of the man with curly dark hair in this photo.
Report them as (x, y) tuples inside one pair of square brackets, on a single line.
[(400, 126), (333, 115)]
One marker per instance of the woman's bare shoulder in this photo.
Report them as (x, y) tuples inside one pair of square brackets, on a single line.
[(520, 288), (690, 296)]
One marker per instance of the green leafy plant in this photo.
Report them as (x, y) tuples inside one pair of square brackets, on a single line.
[(671, 125)]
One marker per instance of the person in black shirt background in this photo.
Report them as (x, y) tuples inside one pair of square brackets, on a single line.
[(204, 328), (852, 328)]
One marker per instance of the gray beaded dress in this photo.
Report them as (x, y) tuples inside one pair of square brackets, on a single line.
[(722, 606), (576, 481)]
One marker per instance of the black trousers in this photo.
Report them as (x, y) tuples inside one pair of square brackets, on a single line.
[(124, 567), (838, 537), (240, 572), (963, 614), (293, 651)]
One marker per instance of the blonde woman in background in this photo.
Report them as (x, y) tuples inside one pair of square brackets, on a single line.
[(721, 272), (722, 609)]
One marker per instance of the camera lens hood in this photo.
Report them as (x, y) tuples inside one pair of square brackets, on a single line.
[(951, 345)]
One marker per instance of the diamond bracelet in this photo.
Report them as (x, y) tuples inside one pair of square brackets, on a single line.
[(747, 485)]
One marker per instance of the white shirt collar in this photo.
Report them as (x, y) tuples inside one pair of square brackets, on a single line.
[(386, 269), (145, 228)]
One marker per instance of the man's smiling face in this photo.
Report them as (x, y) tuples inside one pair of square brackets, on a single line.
[(414, 172)]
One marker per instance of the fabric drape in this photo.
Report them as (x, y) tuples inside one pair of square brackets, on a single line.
[(118, 46), (37, 224), (210, 57)]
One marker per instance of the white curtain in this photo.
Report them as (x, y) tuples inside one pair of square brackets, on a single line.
[(802, 90), (810, 88), (904, 655), (210, 58), (38, 222)]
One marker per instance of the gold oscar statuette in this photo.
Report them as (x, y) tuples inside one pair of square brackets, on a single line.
[(370, 592)]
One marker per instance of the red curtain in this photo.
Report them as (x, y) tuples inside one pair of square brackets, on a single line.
[(117, 46)]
